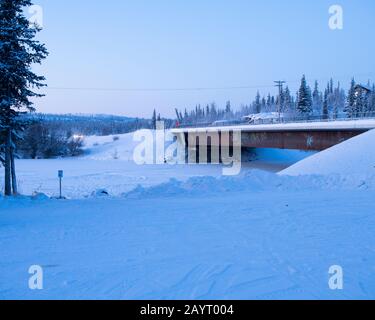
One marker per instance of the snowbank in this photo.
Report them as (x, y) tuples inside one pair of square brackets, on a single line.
[(352, 157), (254, 181)]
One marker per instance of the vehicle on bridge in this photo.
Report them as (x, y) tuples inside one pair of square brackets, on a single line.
[(263, 117)]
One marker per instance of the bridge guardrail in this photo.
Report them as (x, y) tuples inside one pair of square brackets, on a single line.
[(282, 120)]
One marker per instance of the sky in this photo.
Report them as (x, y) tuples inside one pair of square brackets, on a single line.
[(128, 57)]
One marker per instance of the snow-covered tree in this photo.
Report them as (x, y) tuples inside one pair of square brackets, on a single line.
[(269, 103), (338, 101), (154, 119), (18, 52), (287, 101), (317, 99), (372, 102), (350, 108), (325, 109), (361, 103), (304, 98), (257, 103)]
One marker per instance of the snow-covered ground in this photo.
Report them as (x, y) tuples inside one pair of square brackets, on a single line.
[(269, 245), (109, 164), (260, 235)]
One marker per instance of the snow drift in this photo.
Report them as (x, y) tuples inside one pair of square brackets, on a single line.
[(352, 157), (252, 182)]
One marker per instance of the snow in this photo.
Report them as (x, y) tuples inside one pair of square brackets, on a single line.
[(272, 245), (187, 232), (264, 116), (108, 164), (352, 157), (113, 147)]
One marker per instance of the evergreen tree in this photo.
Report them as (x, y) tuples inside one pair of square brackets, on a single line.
[(263, 104), (228, 110), (330, 86), (213, 111), (257, 104), (228, 107), (287, 101), (269, 103), (338, 101), (304, 98), (372, 102), (350, 108), (18, 52), (317, 99), (325, 110), (361, 104), (154, 120)]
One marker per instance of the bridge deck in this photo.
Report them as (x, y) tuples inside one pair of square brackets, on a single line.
[(301, 136)]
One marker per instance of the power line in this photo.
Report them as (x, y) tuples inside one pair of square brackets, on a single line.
[(222, 88), (157, 89)]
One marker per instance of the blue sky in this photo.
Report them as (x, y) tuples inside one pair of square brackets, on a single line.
[(160, 44)]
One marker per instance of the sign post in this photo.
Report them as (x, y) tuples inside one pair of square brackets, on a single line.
[(61, 175)]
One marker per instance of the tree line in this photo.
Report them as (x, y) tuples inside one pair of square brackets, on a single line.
[(48, 136), (330, 103)]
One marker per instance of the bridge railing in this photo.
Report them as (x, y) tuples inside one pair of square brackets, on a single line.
[(282, 120)]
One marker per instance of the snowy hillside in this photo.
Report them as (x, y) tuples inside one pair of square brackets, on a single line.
[(353, 157), (112, 147)]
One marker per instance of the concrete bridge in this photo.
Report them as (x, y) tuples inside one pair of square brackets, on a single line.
[(315, 136)]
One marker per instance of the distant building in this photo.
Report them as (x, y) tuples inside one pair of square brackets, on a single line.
[(361, 90)]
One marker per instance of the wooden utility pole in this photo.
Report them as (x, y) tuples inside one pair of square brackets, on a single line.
[(279, 84)]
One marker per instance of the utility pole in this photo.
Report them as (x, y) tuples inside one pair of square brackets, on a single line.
[(279, 84)]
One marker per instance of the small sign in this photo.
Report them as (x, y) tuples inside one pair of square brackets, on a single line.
[(61, 174)]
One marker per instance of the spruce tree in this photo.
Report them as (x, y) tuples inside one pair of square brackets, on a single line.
[(372, 102), (287, 100), (350, 108), (325, 110), (154, 120), (304, 98), (18, 52), (269, 103), (228, 110), (208, 115), (317, 99), (257, 104)]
